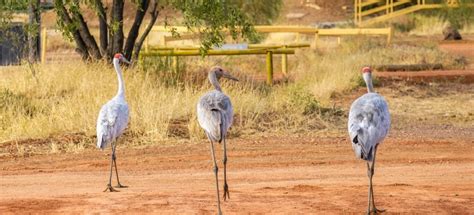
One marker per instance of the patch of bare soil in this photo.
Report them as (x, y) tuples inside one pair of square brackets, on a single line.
[(267, 175), (310, 12)]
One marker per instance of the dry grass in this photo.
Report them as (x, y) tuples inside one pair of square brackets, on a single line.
[(424, 25), (66, 98), (336, 70)]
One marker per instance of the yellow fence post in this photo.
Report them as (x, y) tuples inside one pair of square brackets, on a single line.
[(147, 41), (316, 39), (163, 40), (389, 36), (355, 11), (43, 45), (175, 64), (284, 63), (269, 68)]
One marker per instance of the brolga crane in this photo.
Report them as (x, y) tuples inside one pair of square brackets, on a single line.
[(113, 120), (215, 113), (369, 122)]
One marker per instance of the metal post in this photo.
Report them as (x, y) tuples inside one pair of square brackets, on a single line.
[(146, 43), (284, 63), (175, 64), (316, 40), (163, 40), (43, 45), (356, 5), (269, 68), (389, 36)]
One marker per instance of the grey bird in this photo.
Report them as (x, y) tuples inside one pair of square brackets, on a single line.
[(113, 120), (215, 114), (368, 125)]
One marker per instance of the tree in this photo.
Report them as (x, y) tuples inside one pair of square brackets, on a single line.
[(208, 17), (33, 29)]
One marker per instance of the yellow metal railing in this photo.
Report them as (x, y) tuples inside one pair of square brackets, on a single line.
[(334, 32), (371, 11)]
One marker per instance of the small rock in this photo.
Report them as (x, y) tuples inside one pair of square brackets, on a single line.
[(451, 33)]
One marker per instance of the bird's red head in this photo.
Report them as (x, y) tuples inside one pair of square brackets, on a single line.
[(366, 70), (118, 56)]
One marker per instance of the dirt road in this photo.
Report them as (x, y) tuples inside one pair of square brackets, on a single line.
[(269, 175)]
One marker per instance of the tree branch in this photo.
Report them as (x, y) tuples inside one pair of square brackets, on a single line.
[(81, 46), (116, 29), (34, 25), (85, 33), (134, 31), (154, 15), (103, 28)]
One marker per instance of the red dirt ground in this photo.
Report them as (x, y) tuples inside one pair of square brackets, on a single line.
[(269, 175), (464, 48)]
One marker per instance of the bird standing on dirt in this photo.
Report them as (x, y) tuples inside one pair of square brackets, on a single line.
[(113, 119), (369, 122), (215, 114)]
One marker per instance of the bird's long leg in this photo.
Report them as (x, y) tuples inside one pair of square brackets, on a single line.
[(226, 187), (370, 190), (114, 158), (109, 185), (374, 209), (216, 169)]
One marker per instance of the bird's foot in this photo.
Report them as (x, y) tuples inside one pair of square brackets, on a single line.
[(226, 192), (120, 186), (110, 188), (375, 211)]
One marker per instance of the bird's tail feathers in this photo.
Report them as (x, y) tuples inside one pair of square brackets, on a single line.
[(222, 127), (101, 143), (216, 134), (359, 140)]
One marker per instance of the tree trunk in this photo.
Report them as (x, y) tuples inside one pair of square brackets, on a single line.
[(138, 46), (134, 31), (85, 34), (103, 35), (116, 29), (34, 21), (81, 46)]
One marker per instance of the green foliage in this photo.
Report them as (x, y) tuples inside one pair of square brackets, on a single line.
[(13, 5), (66, 28), (212, 18), (261, 12)]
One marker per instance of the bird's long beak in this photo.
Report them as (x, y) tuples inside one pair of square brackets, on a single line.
[(125, 61), (229, 76)]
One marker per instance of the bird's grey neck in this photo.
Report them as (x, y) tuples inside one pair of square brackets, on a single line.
[(214, 81), (368, 82), (121, 85)]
